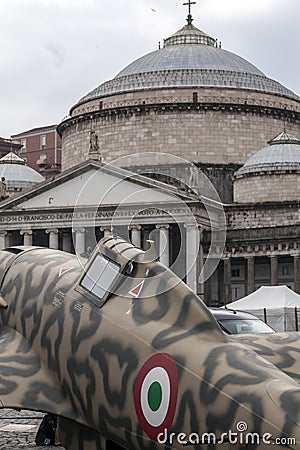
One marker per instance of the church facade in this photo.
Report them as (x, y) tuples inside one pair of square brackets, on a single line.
[(216, 145)]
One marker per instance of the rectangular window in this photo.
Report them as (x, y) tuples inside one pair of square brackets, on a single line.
[(237, 272), (100, 276), (286, 270), (23, 143), (43, 142)]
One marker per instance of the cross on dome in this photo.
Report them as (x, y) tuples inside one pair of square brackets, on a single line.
[(189, 17)]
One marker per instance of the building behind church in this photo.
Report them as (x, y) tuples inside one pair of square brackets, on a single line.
[(41, 149)]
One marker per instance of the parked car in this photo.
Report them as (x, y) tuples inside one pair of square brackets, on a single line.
[(237, 322)]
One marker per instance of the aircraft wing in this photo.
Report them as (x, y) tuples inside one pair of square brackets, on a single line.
[(25, 383), (281, 349)]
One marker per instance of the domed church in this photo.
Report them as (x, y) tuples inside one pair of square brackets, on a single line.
[(189, 98), (208, 109), (193, 98)]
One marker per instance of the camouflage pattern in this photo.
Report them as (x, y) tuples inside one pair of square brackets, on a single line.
[(62, 351), (281, 349)]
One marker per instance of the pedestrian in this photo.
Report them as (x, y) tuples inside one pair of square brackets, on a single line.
[(46, 432)]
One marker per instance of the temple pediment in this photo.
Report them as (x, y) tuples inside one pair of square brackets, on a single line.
[(93, 183)]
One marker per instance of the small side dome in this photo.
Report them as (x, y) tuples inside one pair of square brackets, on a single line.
[(283, 153), (12, 158), (271, 174), (16, 175)]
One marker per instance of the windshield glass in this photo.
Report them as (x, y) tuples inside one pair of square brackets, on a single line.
[(100, 276), (240, 326)]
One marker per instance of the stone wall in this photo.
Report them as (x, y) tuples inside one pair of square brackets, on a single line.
[(186, 95), (275, 187), (179, 175), (200, 133), (249, 217)]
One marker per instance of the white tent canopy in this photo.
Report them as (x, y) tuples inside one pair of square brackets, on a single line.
[(279, 305)]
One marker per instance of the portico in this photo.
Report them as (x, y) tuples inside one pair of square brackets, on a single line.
[(128, 206)]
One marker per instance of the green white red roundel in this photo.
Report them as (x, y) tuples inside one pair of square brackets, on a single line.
[(155, 394)]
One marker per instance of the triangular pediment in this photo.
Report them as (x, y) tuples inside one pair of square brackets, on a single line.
[(93, 183)]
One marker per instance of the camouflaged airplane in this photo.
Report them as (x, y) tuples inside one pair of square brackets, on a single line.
[(128, 357)]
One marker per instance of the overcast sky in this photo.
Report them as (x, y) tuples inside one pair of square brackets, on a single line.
[(55, 51)]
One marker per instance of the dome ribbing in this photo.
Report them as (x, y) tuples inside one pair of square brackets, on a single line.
[(16, 175), (282, 154), (189, 58)]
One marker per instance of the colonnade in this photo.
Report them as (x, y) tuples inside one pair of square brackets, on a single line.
[(67, 241), (250, 272), (64, 239)]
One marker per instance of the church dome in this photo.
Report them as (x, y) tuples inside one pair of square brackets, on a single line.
[(16, 175), (282, 154), (271, 174), (190, 98), (189, 58)]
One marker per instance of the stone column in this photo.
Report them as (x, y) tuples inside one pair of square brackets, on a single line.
[(250, 274), (3, 240), (67, 242), (297, 273), (27, 236), (53, 238), (227, 281), (107, 230), (135, 235), (212, 287), (79, 241), (274, 270), (164, 246), (192, 248), (201, 281)]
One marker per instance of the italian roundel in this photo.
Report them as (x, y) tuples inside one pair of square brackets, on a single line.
[(155, 394)]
